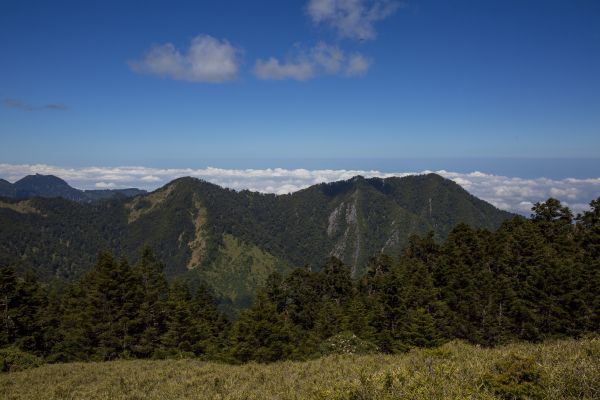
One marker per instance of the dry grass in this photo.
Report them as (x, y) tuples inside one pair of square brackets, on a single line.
[(568, 369), (198, 243), (150, 202), (23, 207)]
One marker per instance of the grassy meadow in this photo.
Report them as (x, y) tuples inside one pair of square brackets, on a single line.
[(568, 369)]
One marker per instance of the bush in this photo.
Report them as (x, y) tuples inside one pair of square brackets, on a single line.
[(347, 343), (516, 378), (12, 360)]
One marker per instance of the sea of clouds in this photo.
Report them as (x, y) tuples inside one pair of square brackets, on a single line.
[(508, 193)]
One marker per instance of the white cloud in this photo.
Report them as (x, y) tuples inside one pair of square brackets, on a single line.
[(357, 65), (207, 60), (352, 19), (322, 59), (274, 70), (150, 178), (23, 106), (105, 185), (508, 193)]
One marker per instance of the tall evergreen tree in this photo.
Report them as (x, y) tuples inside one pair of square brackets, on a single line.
[(261, 334), (463, 276), (8, 305), (113, 299), (182, 335), (22, 304), (589, 231), (153, 307)]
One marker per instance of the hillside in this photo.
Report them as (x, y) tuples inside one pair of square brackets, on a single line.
[(234, 240), (50, 186), (567, 369)]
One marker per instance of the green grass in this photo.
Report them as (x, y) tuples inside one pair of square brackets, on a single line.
[(568, 369), (239, 269)]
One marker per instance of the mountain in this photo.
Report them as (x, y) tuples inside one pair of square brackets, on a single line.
[(51, 186), (234, 240), (6, 189)]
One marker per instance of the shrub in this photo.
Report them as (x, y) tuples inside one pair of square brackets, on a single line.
[(516, 377), (347, 343), (12, 359)]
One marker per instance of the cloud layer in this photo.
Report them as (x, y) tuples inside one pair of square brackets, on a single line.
[(206, 60), (322, 59), (353, 19), (508, 193)]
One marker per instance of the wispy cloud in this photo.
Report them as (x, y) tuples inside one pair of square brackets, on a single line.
[(105, 185), (508, 193), (206, 60), (23, 106), (353, 19), (55, 107), (322, 59)]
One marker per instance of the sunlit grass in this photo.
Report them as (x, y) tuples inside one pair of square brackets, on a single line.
[(566, 369)]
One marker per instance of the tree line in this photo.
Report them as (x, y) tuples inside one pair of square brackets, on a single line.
[(532, 279)]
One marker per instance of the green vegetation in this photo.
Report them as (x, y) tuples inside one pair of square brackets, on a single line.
[(567, 369), (238, 271), (13, 359), (399, 330), (192, 226), (531, 280)]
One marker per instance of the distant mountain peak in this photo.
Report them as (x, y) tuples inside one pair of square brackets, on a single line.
[(50, 186), (41, 179)]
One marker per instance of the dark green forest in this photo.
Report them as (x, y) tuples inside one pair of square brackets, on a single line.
[(531, 279), (353, 219), (232, 240)]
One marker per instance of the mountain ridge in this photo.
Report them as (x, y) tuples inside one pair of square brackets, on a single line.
[(50, 186), (228, 238)]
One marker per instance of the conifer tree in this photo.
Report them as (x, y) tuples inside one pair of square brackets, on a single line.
[(261, 334), (8, 305), (72, 340), (152, 312), (463, 276), (32, 303), (337, 282), (113, 299), (22, 305), (589, 231), (181, 336)]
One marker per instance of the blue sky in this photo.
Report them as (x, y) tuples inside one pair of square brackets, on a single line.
[(113, 83)]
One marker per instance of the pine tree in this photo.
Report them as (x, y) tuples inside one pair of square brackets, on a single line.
[(181, 335), (22, 304), (72, 340), (152, 312), (337, 281), (589, 230), (32, 304), (8, 305), (420, 330), (261, 334), (212, 325), (330, 320), (113, 298), (463, 276), (357, 319)]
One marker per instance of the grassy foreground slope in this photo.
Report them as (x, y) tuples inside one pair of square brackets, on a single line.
[(566, 369)]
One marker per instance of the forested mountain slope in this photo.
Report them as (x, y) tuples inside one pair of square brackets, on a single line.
[(530, 280), (234, 240)]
